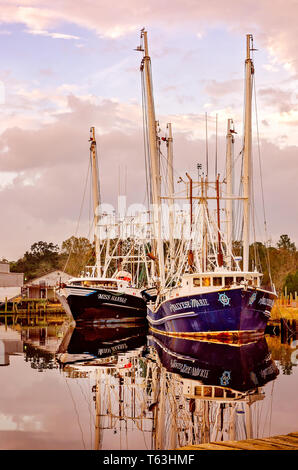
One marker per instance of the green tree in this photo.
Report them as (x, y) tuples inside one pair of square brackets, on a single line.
[(42, 258), (284, 261), (291, 283), (285, 243), (76, 254)]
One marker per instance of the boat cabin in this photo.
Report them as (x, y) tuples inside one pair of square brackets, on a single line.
[(197, 390), (111, 283), (222, 280)]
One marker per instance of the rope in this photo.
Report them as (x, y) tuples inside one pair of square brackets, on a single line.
[(76, 412), (145, 139), (80, 214), (261, 182)]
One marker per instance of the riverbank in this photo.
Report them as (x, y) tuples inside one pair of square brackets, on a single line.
[(280, 310)]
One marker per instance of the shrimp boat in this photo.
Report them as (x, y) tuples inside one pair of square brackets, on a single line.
[(204, 288), (96, 296)]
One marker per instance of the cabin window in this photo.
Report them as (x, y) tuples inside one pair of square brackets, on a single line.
[(103, 284), (108, 285), (229, 281), (239, 280), (217, 281), (206, 281), (197, 282)]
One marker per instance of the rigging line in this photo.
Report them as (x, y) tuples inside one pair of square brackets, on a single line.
[(239, 209), (76, 411), (253, 213), (89, 407), (216, 147), (271, 403), (90, 218), (91, 402), (80, 214), (145, 139), (206, 128), (240, 205), (152, 92), (261, 180)]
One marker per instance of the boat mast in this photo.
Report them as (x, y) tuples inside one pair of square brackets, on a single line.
[(219, 251), (96, 197), (170, 192), (249, 71), (154, 156), (190, 252), (229, 182)]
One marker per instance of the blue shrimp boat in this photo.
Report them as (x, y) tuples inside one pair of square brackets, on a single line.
[(192, 309), (204, 289)]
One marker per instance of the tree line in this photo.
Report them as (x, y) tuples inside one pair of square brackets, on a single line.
[(43, 257), (278, 263)]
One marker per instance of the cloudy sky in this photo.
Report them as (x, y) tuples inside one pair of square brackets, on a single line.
[(66, 66)]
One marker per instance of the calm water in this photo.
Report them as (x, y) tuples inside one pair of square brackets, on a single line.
[(122, 388)]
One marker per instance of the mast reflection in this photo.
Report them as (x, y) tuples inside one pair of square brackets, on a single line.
[(158, 392), (208, 390)]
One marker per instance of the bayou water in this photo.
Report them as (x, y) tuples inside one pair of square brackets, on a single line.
[(122, 388)]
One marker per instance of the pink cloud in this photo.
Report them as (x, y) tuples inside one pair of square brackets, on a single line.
[(272, 23), (51, 164)]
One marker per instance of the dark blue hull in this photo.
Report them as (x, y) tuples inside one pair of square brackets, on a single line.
[(105, 306), (240, 367), (235, 311), (88, 342)]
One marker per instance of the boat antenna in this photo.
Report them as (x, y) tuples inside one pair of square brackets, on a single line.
[(206, 126), (216, 146)]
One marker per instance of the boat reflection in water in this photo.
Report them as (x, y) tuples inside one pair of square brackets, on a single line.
[(232, 366), (159, 392), (113, 359), (96, 342), (219, 381)]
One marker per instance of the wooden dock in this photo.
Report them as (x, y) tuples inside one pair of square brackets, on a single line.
[(23, 305), (287, 442)]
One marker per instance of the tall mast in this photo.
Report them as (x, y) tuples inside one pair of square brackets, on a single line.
[(170, 191), (229, 182), (96, 197), (249, 71), (219, 254), (190, 252), (154, 156)]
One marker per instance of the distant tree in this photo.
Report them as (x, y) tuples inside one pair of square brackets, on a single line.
[(285, 243), (284, 261), (43, 252), (76, 245), (42, 258), (77, 253), (291, 283)]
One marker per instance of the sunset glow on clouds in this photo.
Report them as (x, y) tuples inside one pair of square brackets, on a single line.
[(66, 66)]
